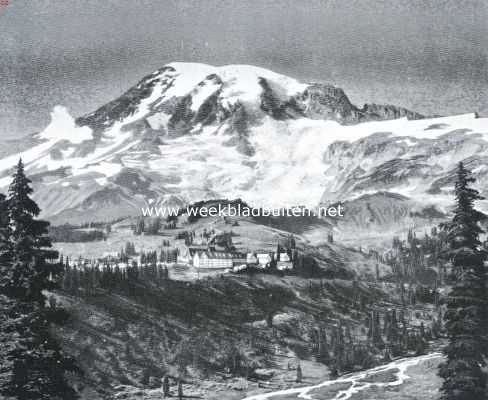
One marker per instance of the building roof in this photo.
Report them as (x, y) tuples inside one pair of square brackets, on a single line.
[(194, 249), (264, 251), (220, 255)]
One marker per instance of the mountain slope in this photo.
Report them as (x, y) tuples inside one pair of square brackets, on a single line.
[(189, 132)]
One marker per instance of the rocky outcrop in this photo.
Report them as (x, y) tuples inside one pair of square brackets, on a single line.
[(323, 101), (238, 128), (122, 107), (278, 106), (379, 112)]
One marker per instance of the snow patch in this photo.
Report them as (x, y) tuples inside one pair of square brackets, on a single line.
[(202, 94), (409, 142), (241, 82), (158, 121), (290, 154), (186, 77), (104, 168)]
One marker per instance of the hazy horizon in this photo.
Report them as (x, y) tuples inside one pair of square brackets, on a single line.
[(431, 58)]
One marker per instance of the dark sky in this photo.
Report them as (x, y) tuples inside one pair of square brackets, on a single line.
[(431, 56)]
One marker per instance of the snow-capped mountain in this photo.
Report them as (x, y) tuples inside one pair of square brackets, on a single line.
[(191, 132)]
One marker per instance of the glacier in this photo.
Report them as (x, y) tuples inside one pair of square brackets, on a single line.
[(190, 132)]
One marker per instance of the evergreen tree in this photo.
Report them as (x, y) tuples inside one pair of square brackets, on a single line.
[(338, 348), (165, 386), (29, 272), (322, 347), (35, 367), (139, 226), (180, 390), (330, 238), (465, 318), (4, 232), (299, 374), (374, 332)]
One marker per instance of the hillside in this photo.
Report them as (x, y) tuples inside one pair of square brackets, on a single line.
[(227, 334), (213, 332), (248, 234)]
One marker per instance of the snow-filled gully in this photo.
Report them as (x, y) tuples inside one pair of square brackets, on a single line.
[(355, 380)]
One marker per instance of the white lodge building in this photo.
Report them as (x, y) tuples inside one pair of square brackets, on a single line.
[(212, 259)]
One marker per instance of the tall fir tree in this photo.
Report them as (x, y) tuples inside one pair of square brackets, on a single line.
[(34, 368), (466, 316), (29, 249), (4, 233)]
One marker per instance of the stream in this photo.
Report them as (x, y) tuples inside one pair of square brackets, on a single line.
[(356, 382)]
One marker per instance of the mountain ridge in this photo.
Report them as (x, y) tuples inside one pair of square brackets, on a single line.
[(190, 132), (315, 101)]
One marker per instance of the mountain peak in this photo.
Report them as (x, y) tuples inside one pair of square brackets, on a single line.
[(194, 132), (185, 94)]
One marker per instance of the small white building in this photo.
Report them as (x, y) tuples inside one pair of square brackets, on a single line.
[(264, 258), (110, 254), (251, 258), (238, 268), (282, 256), (284, 265)]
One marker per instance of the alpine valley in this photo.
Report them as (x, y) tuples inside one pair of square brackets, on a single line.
[(248, 307)]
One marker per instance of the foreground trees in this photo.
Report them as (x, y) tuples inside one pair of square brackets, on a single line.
[(467, 306), (33, 364)]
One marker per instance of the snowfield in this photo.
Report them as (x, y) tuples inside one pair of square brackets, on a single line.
[(294, 161)]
